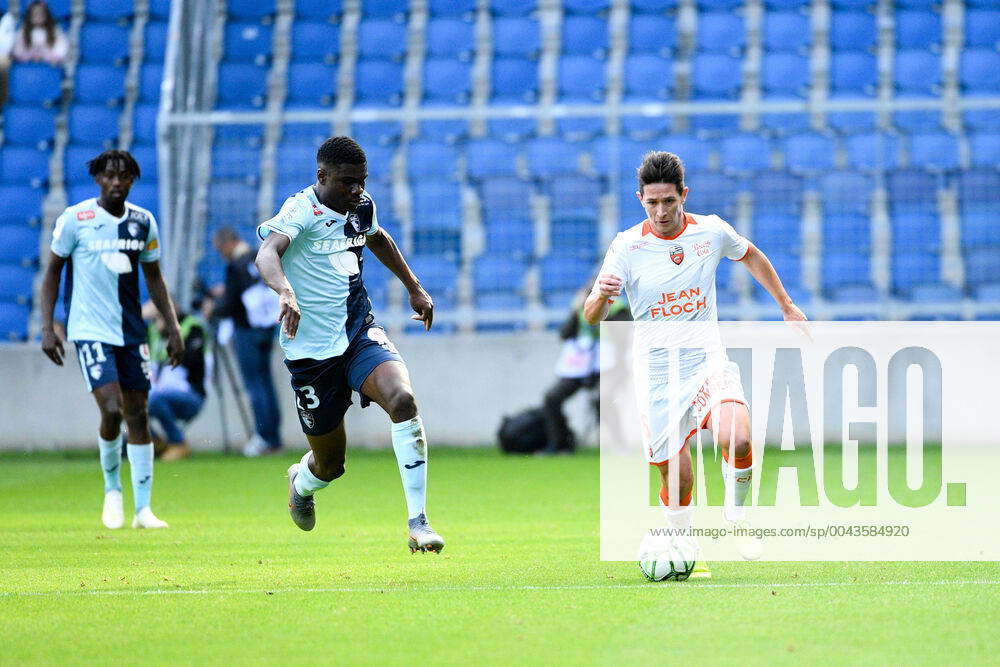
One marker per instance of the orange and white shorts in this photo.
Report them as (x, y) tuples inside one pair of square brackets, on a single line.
[(722, 386)]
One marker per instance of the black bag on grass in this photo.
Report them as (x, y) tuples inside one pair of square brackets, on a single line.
[(522, 433)]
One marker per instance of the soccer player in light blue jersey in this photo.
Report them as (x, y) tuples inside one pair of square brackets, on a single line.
[(312, 257), (102, 242)]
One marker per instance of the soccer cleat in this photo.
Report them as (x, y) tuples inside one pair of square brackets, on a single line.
[(145, 518), (255, 446), (750, 546), (302, 508), (423, 537), (700, 571), (113, 515)]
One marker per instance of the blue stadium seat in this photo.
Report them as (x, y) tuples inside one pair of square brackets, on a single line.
[(854, 294), (574, 237), (917, 120), (988, 292), (150, 78), (146, 194), (30, 83), (13, 321), (585, 35), (773, 232), (936, 151), (721, 32), (872, 151), (980, 227), (110, 10), (511, 130), (516, 37), (802, 5), (99, 84), (711, 125), (22, 205), (378, 83), (464, 8), (437, 204), (154, 45), (935, 293), (28, 126), (440, 278), (315, 40), (19, 245), (498, 274), (653, 6), (979, 186), (241, 86), (311, 85), (652, 34), (910, 269), (581, 79), (644, 128), (93, 124), (505, 198), (447, 81), (917, 29), (586, 6), (809, 153), (845, 268), (978, 71), (144, 124), (846, 193), (787, 264), (982, 28), (742, 153), (777, 192), (648, 78), (984, 149), (848, 232), (15, 282), (431, 158), (247, 42), (227, 203), (513, 7), (514, 80), (563, 273), (450, 38), (260, 10), (22, 165), (381, 133), (716, 76), (982, 267), (319, 10), (489, 157), (511, 238), (786, 32), (159, 10), (853, 73), (714, 5), (852, 31), (251, 135), (113, 40), (917, 72), (574, 197), (915, 232), (78, 192), (580, 128), (549, 156), (447, 131), (379, 38), (911, 191), (710, 193), (693, 151), (785, 75)]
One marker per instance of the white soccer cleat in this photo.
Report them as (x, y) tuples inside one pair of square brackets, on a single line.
[(113, 515), (423, 537), (145, 518), (749, 546)]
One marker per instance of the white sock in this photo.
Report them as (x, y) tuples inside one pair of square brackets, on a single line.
[(680, 519), (306, 483), (410, 445), (737, 482), (111, 462), (140, 460)]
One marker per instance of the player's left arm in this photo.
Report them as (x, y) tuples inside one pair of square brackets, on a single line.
[(161, 298), (385, 249), (763, 272)]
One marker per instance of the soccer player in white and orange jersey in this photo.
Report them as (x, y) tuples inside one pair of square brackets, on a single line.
[(667, 265)]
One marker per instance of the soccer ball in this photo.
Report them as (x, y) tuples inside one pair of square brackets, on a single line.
[(663, 559)]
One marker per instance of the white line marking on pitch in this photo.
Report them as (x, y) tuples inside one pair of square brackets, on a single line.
[(434, 589)]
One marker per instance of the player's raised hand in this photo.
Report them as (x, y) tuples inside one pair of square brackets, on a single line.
[(798, 320), (289, 314), (608, 285), (52, 346), (423, 306), (175, 348)]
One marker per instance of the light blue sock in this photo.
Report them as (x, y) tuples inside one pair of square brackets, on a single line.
[(111, 462), (140, 459), (410, 445), (306, 483)]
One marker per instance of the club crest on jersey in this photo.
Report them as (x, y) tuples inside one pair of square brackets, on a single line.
[(676, 254), (133, 229), (307, 418), (316, 211)]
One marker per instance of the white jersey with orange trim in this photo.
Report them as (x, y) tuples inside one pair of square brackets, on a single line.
[(670, 284)]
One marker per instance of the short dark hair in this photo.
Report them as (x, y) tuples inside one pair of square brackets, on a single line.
[(340, 150), (100, 163), (226, 235), (661, 167)]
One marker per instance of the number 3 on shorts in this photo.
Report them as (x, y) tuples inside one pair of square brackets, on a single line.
[(307, 395)]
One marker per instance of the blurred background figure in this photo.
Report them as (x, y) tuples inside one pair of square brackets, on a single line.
[(41, 40), (253, 311), (178, 393), (578, 368), (8, 33)]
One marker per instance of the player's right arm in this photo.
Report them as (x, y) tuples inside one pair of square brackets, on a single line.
[(269, 264), (609, 283), (52, 345)]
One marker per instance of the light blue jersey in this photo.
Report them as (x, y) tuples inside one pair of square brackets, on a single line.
[(323, 263), (102, 274)]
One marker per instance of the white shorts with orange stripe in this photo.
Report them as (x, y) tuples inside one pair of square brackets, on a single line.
[(722, 386)]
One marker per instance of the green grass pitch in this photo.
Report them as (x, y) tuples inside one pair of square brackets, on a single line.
[(232, 580)]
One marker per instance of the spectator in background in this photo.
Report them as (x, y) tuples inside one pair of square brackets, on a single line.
[(178, 393), (253, 309), (41, 39), (8, 33), (578, 368)]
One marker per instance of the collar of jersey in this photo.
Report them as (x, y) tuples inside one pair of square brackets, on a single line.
[(647, 228), (108, 213), (323, 209)]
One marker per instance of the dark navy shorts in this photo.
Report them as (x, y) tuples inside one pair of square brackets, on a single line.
[(103, 363), (323, 386)]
